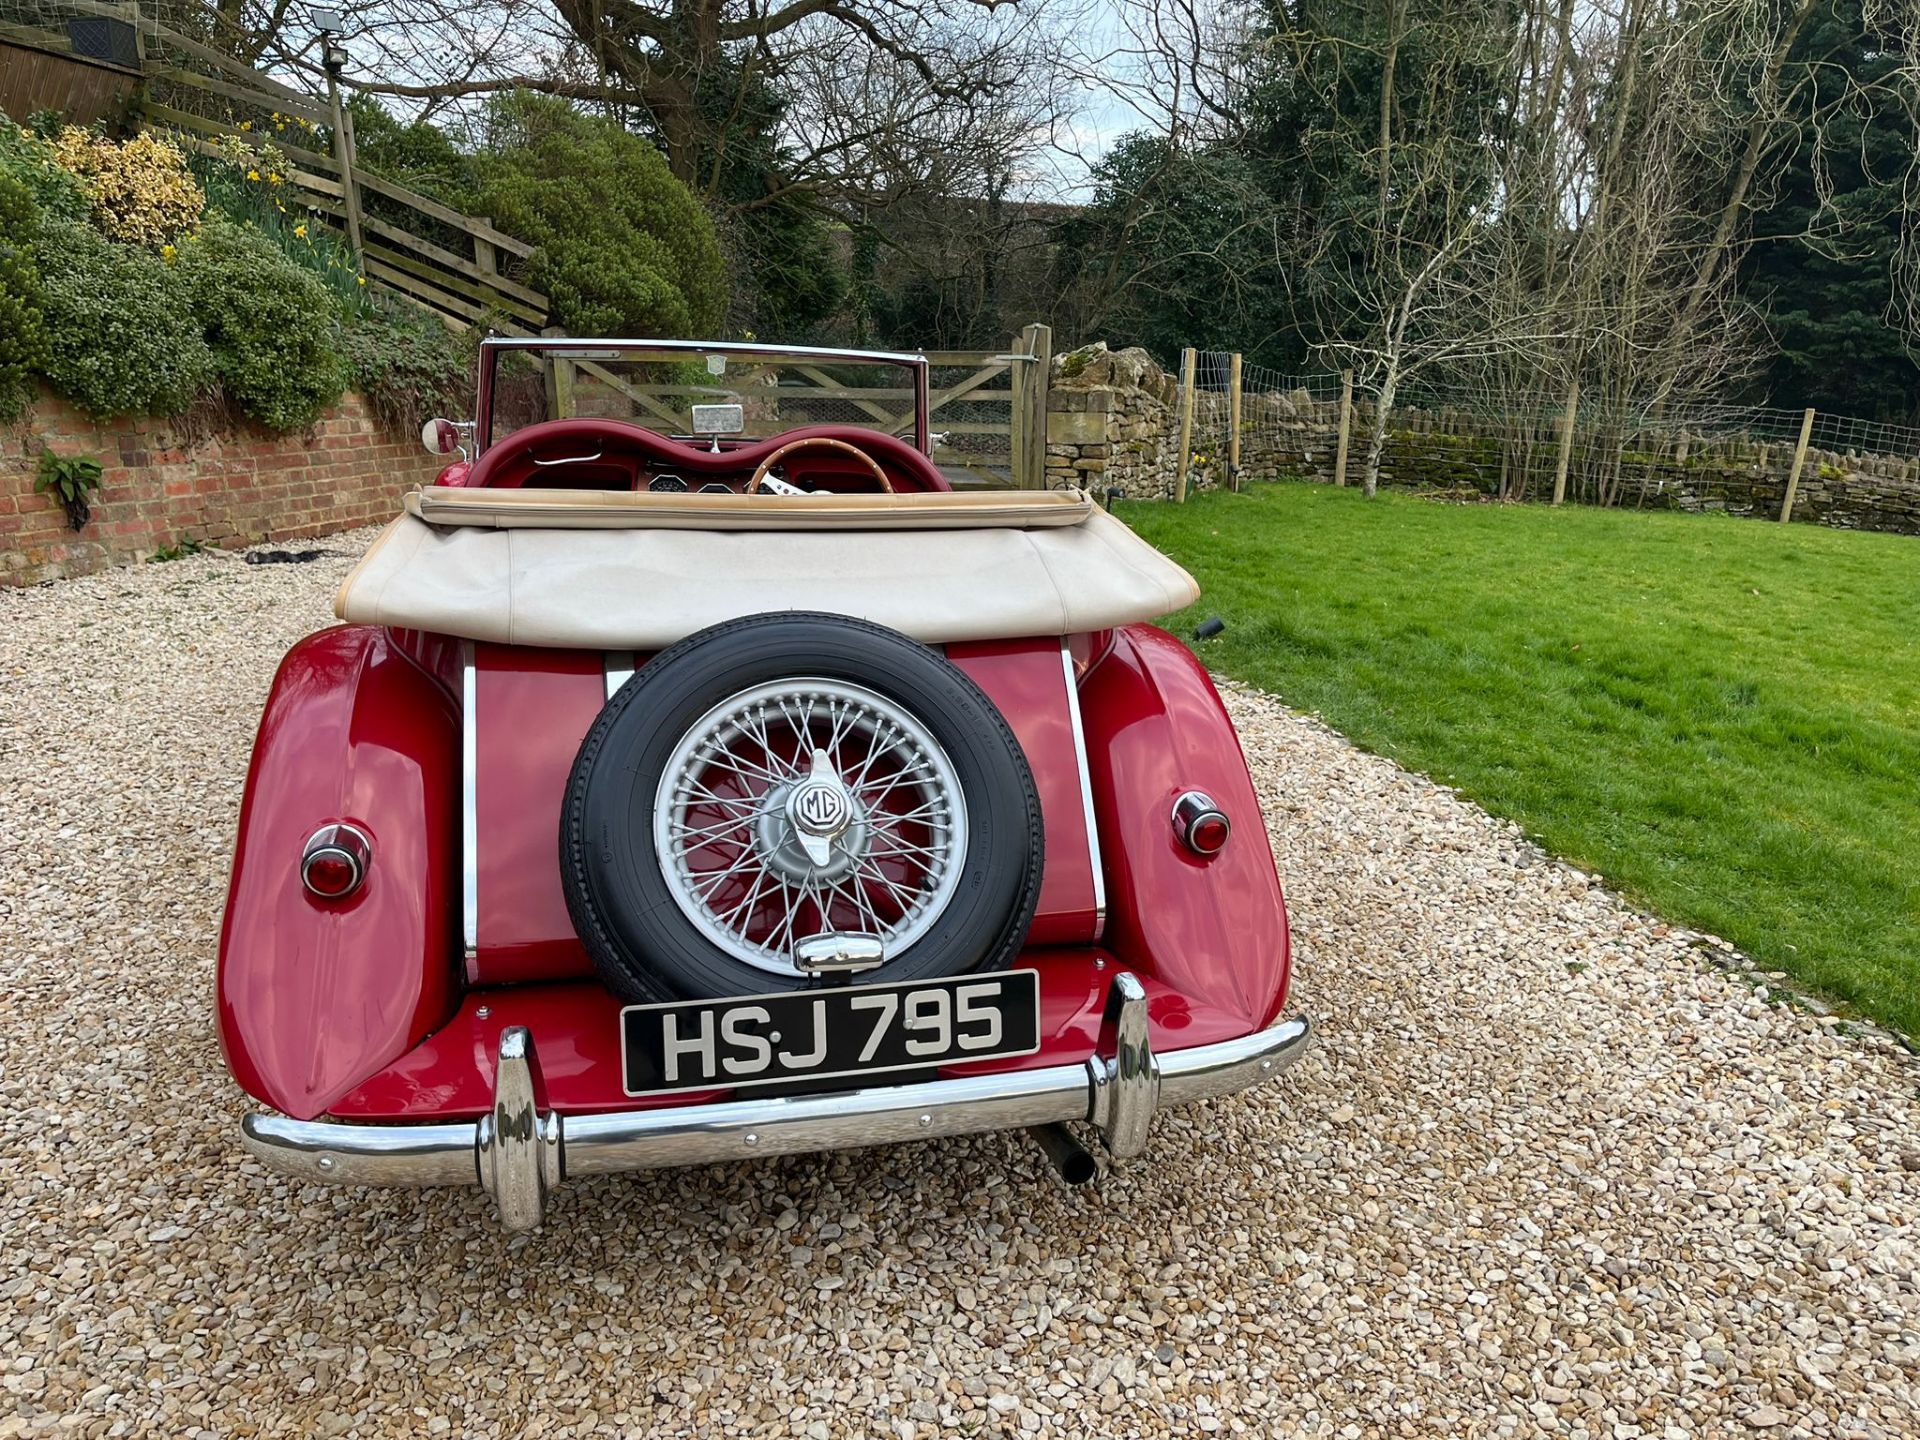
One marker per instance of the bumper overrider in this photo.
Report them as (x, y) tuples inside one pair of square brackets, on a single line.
[(520, 1154)]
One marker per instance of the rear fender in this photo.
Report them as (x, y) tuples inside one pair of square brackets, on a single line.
[(315, 996), (1212, 929)]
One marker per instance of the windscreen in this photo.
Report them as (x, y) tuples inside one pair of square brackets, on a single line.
[(683, 393)]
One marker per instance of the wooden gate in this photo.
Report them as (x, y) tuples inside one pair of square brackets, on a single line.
[(988, 408), (990, 412)]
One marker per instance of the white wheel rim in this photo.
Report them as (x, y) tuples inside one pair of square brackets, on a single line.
[(804, 807)]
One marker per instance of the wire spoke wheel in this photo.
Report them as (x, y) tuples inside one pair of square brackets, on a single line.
[(804, 807), (779, 801)]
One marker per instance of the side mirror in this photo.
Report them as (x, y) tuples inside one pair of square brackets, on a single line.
[(441, 437)]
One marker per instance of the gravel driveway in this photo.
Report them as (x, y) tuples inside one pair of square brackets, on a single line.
[(1547, 1173)]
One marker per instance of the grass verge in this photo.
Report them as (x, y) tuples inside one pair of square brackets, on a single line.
[(1720, 716)]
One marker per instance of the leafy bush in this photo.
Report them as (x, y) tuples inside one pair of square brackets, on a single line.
[(624, 248), (143, 193), (56, 192), (410, 367), (121, 337), (417, 154), (23, 334), (271, 324)]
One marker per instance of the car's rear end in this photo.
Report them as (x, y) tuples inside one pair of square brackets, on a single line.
[(631, 869)]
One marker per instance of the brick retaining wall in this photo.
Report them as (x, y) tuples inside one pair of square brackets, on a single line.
[(234, 488)]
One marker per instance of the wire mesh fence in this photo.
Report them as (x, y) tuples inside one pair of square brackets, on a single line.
[(1481, 441)]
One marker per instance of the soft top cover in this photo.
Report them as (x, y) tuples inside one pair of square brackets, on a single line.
[(585, 570)]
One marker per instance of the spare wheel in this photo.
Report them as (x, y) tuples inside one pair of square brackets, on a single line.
[(782, 779)]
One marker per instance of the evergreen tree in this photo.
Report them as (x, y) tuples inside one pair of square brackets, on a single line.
[(1179, 248), (1825, 300)]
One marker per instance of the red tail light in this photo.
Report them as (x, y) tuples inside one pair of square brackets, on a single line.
[(334, 863), (1201, 824)]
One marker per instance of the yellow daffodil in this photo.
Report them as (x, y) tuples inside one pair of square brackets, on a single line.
[(167, 252), (273, 177), (246, 124), (253, 174), (361, 278), (301, 231)]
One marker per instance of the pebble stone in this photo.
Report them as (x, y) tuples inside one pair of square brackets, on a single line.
[(1555, 1168)]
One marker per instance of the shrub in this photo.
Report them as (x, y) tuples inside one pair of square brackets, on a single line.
[(270, 323), (624, 248), (418, 153), (410, 367), (23, 333), (142, 191), (121, 337), (57, 193)]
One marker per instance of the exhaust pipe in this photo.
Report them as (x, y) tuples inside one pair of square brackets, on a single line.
[(1071, 1160)]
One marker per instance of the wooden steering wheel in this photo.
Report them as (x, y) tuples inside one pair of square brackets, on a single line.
[(821, 442)]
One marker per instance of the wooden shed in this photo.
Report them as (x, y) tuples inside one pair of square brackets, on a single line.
[(39, 70)]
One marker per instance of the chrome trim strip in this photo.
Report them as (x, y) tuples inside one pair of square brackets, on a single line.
[(469, 805), (1086, 795), (618, 668), (561, 344), (544, 1148)]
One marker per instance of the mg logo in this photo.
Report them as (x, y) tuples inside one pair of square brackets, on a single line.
[(820, 807)]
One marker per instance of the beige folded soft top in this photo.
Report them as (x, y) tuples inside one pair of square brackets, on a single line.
[(692, 510), (618, 571)]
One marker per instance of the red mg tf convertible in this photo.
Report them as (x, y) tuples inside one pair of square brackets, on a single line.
[(699, 782)]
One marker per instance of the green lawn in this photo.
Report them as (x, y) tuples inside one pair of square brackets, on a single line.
[(1720, 716)]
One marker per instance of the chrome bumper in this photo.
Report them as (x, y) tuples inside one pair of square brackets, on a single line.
[(520, 1155)]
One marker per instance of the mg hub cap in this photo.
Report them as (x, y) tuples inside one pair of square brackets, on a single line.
[(808, 807)]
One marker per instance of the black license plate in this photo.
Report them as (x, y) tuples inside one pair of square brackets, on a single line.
[(854, 1030)]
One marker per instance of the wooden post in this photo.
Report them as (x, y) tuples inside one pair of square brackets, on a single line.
[(343, 153), (1566, 443), (485, 256), (1233, 421), (1799, 460), (1185, 458), (560, 378), (1346, 427), (1019, 452), (1038, 342)]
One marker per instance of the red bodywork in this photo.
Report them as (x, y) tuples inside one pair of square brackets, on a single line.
[(366, 1010), (384, 1007)]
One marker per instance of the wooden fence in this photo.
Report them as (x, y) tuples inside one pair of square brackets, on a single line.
[(458, 266)]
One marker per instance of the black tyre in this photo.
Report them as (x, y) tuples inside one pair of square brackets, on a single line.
[(773, 780)]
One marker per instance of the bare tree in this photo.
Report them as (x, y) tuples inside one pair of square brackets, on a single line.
[(1400, 238), (1654, 147), (862, 85)]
